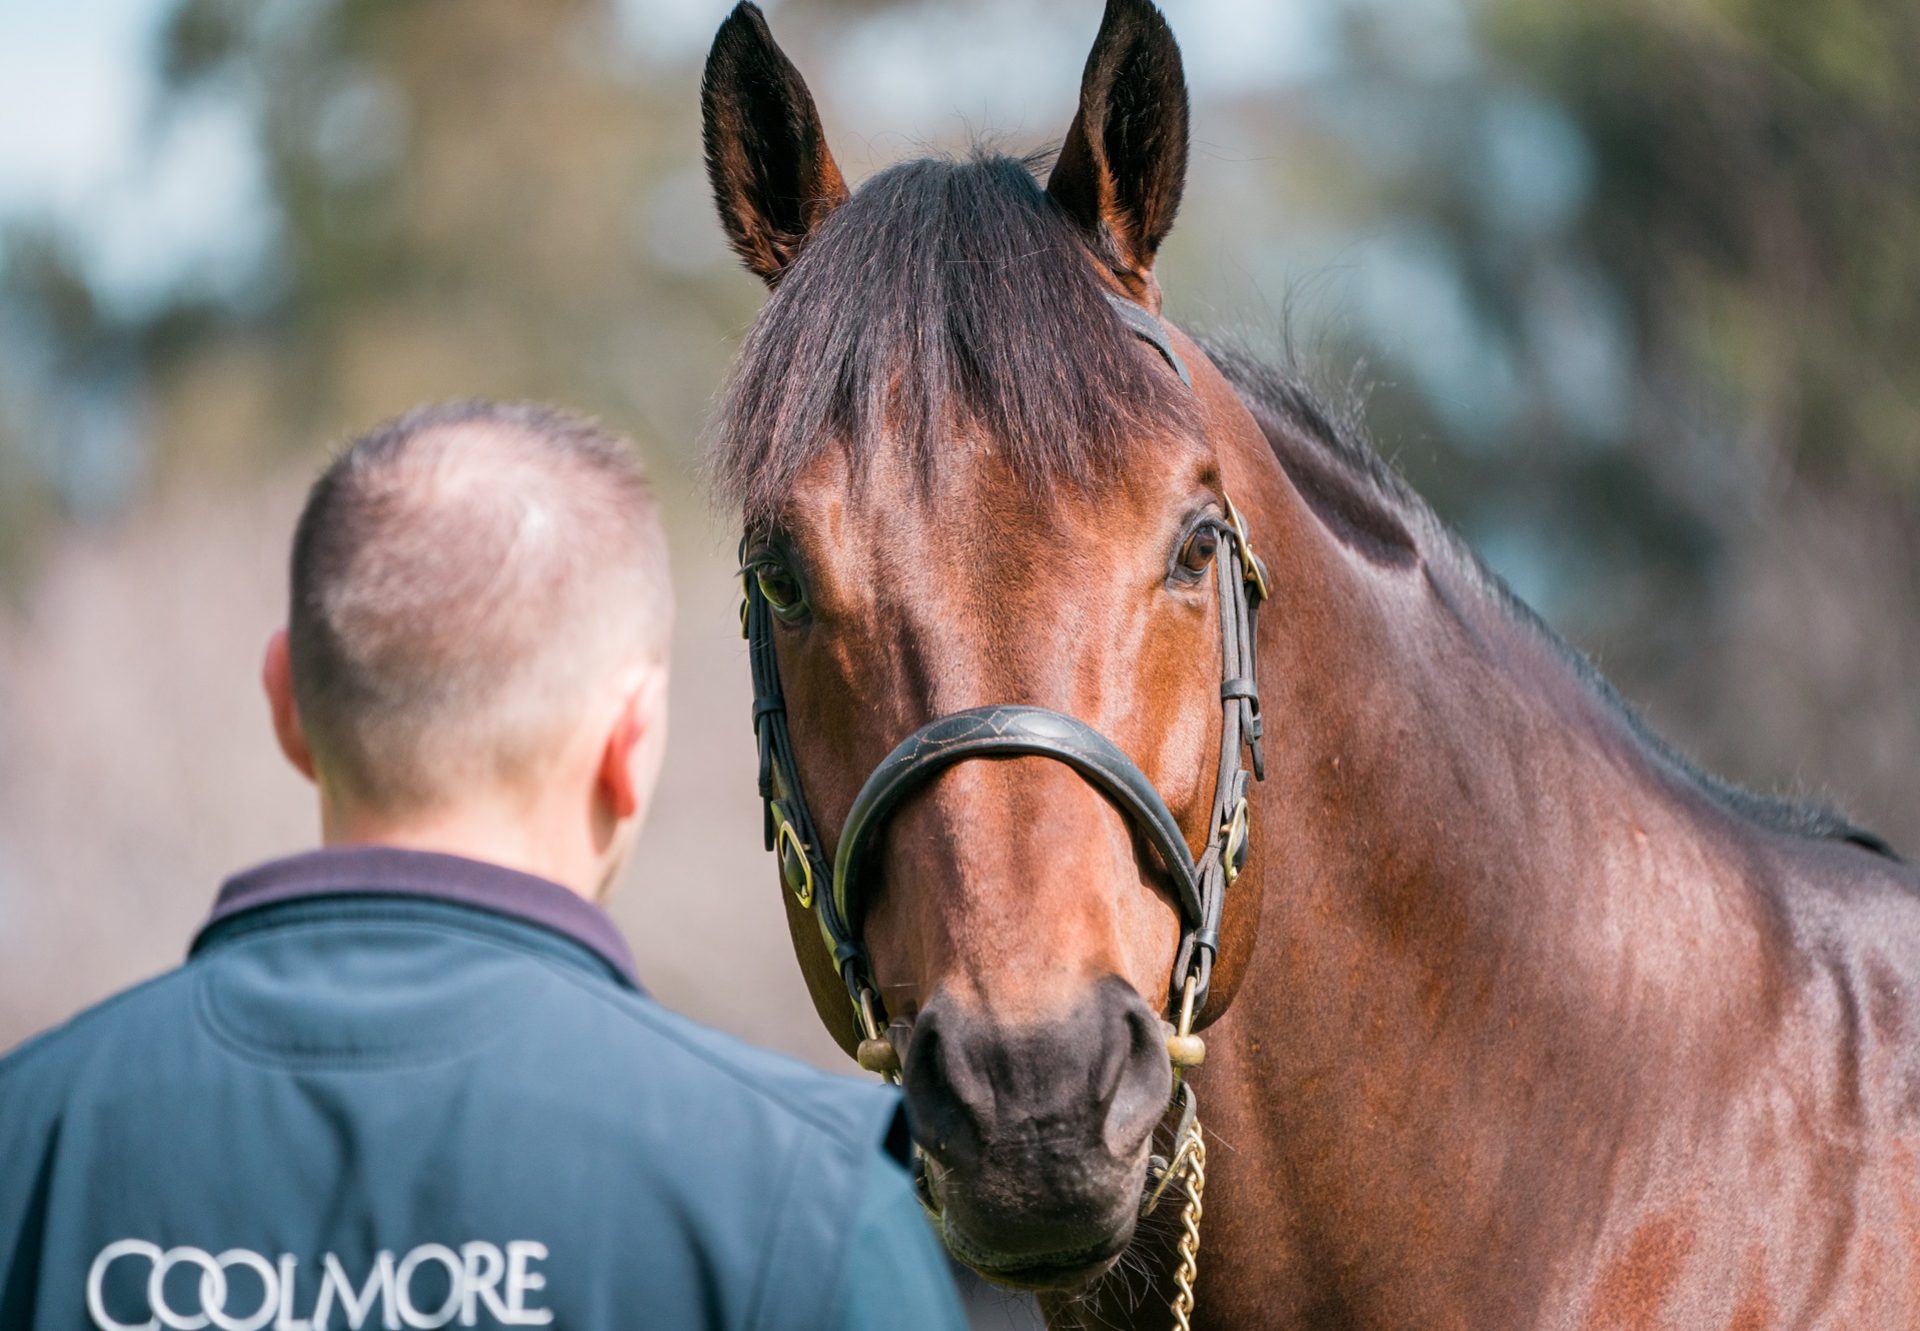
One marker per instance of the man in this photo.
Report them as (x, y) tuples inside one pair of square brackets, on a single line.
[(410, 1080)]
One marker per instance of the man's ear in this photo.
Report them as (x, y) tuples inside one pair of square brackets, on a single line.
[(773, 179), (624, 783), (1124, 163), (276, 675)]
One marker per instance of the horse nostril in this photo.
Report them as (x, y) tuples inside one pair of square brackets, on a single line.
[(945, 1093), (1142, 1077)]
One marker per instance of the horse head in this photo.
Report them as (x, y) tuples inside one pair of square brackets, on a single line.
[(974, 478)]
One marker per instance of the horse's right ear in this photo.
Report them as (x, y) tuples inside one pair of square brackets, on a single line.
[(773, 179), (1124, 163)]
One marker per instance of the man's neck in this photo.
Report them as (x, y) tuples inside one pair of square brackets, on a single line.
[(493, 833)]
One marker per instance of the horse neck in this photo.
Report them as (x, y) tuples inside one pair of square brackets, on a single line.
[(1487, 906), (1445, 772)]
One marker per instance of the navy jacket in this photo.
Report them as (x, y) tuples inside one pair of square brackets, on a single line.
[(393, 1090)]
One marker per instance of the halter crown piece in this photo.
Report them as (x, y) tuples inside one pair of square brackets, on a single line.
[(834, 893)]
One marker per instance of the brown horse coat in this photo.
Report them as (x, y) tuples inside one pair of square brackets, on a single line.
[(1521, 1021)]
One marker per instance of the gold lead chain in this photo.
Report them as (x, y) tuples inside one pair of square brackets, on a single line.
[(1193, 1183)]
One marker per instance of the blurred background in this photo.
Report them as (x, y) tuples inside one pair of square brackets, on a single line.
[(1631, 287)]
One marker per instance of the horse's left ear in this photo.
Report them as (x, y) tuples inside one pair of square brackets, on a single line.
[(1124, 162), (773, 179)]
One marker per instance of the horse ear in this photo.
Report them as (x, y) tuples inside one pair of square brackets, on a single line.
[(1124, 162), (773, 179)]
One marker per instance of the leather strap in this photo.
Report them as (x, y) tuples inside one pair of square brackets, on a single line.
[(1002, 732)]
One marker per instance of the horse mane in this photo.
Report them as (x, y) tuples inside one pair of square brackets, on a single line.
[(944, 295), (954, 294), (1278, 396)]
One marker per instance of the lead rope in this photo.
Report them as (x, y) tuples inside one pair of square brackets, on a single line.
[(1189, 1166), (1187, 1163), (1192, 1183)]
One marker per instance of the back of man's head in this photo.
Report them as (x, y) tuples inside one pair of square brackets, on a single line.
[(468, 580)]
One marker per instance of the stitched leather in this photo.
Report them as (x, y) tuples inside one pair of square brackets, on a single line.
[(1005, 731)]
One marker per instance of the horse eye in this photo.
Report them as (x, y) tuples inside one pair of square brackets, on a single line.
[(782, 590), (1199, 550)]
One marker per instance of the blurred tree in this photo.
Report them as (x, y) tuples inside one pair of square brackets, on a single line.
[(1757, 201), (459, 207), (1637, 281), (1756, 206)]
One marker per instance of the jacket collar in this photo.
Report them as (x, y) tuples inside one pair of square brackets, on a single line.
[(361, 871)]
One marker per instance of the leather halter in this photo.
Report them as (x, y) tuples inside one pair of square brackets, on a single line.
[(1200, 883)]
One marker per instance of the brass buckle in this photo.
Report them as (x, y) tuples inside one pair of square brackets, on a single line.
[(1250, 569), (783, 840), (1235, 847)]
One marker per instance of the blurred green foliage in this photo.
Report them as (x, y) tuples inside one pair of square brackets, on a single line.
[(1758, 203)]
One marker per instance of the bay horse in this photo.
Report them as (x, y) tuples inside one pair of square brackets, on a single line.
[(1514, 1018)]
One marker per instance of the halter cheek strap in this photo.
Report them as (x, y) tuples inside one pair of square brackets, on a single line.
[(834, 894)]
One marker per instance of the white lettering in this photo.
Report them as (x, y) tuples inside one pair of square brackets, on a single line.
[(485, 1266), (96, 1280), (209, 1270), (485, 1287), (379, 1281), (403, 1286), (521, 1281), (289, 1275), (216, 1308)]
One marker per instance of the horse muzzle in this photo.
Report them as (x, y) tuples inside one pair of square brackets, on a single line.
[(1036, 1136)]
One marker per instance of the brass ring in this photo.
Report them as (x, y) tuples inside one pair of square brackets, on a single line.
[(787, 837), (1185, 1049), (1250, 568), (1235, 830), (876, 1052)]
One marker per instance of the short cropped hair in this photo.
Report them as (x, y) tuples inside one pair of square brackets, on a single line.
[(464, 578)]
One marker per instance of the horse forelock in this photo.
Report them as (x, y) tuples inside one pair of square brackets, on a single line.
[(944, 297)]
